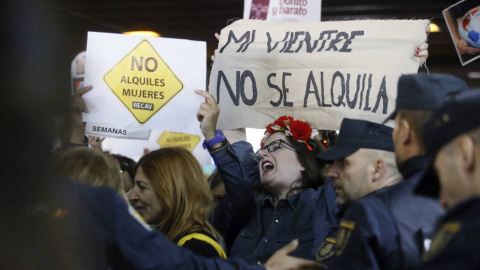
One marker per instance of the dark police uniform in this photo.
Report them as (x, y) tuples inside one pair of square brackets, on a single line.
[(387, 229), (455, 244), (98, 230)]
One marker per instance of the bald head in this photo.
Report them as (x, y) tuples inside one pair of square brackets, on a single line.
[(361, 173)]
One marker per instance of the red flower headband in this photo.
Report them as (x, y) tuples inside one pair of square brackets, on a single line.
[(300, 130)]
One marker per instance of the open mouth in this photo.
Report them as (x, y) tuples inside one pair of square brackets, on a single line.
[(267, 166)]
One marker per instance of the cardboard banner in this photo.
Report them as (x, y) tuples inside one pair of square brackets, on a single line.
[(283, 10), (144, 82), (320, 72)]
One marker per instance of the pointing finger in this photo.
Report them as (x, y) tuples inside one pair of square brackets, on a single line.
[(209, 99), (84, 90)]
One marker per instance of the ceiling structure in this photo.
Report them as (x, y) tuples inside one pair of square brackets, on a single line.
[(200, 19)]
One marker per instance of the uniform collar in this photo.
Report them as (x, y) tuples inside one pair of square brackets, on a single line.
[(412, 166), (341, 211), (462, 208)]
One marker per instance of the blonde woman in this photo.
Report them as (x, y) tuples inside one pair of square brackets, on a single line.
[(172, 194), (85, 165)]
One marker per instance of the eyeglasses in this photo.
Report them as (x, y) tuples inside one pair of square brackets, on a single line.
[(271, 147)]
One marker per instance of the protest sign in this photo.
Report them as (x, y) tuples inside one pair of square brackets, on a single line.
[(118, 131), (463, 21), (172, 139), (283, 10), (320, 72), (77, 70), (134, 148), (143, 82)]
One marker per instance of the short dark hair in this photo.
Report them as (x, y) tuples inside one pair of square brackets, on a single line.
[(214, 179), (126, 164), (416, 118)]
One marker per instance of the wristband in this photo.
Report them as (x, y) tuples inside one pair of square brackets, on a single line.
[(219, 137)]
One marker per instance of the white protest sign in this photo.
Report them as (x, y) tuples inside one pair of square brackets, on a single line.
[(143, 82), (283, 10), (118, 131), (320, 72), (134, 148)]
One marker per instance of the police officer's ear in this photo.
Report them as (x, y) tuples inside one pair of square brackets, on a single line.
[(465, 154), (379, 167), (405, 132)]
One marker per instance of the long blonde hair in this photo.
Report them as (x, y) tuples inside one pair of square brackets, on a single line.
[(178, 180)]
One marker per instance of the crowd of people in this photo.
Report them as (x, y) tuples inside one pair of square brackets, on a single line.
[(367, 214), (375, 197), (356, 203)]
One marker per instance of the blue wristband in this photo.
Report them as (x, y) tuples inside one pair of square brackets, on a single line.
[(219, 137)]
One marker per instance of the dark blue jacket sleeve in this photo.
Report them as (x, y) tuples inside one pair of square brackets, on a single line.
[(366, 238), (146, 249), (240, 175)]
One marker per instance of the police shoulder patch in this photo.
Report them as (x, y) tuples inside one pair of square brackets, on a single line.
[(326, 249), (441, 239), (344, 233)]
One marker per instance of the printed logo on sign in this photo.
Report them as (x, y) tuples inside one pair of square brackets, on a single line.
[(170, 139), (143, 82), (142, 106)]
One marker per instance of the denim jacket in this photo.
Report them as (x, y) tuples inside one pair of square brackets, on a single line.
[(307, 216)]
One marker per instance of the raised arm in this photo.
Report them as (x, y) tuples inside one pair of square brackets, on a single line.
[(237, 168)]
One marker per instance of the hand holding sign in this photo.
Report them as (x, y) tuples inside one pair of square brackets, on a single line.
[(79, 105), (208, 115), (320, 72), (140, 84), (96, 143), (217, 36), (76, 126), (422, 53)]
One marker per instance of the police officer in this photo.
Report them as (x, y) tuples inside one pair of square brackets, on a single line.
[(452, 138), (414, 216), (411, 217), (363, 162), (96, 229)]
